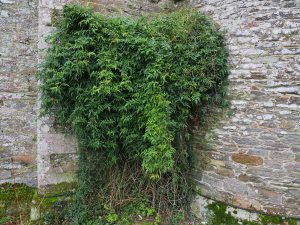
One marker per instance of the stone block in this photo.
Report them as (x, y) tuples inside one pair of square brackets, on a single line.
[(225, 172), (291, 139), (282, 156), (274, 210), (246, 159), (246, 203), (57, 143), (5, 174), (63, 163), (24, 159)]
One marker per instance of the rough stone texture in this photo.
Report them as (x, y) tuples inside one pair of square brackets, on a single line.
[(18, 90), (132, 7), (56, 151), (200, 207), (245, 159), (254, 150)]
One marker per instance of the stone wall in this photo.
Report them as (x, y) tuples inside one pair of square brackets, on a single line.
[(255, 150), (56, 150), (32, 149), (18, 90)]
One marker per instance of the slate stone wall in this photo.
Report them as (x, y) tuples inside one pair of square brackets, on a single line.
[(255, 150), (18, 91)]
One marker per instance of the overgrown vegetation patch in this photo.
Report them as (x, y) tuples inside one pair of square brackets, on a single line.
[(220, 216), (15, 201), (21, 204), (132, 90)]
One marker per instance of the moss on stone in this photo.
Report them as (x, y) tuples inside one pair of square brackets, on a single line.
[(220, 216), (17, 201), (16, 192), (276, 220), (54, 17), (63, 188)]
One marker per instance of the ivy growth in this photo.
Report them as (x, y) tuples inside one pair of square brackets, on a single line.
[(131, 90)]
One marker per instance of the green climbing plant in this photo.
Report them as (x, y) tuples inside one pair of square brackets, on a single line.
[(131, 91)]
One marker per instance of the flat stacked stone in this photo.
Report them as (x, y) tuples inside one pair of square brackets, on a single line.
[(254, 150), (18, 91)]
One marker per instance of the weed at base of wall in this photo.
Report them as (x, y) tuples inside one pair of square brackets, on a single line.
[(220, 216), (22, 204)]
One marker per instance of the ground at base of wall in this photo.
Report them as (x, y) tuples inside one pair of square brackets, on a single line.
[(218, 213), (21, 204)]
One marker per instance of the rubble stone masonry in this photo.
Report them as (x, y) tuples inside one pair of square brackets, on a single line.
[(18, 90), (254, 151)]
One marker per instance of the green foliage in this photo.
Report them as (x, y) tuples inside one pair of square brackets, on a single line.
[(135, 211), (131, 90), (15, 201), (16, 192), (276, 220), (177, 218), (5, 220), (220, 216)]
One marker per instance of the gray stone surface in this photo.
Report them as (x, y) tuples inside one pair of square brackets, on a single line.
[(200, 209), (18, 90), (56, 150), (263, 121), (263, 41)]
